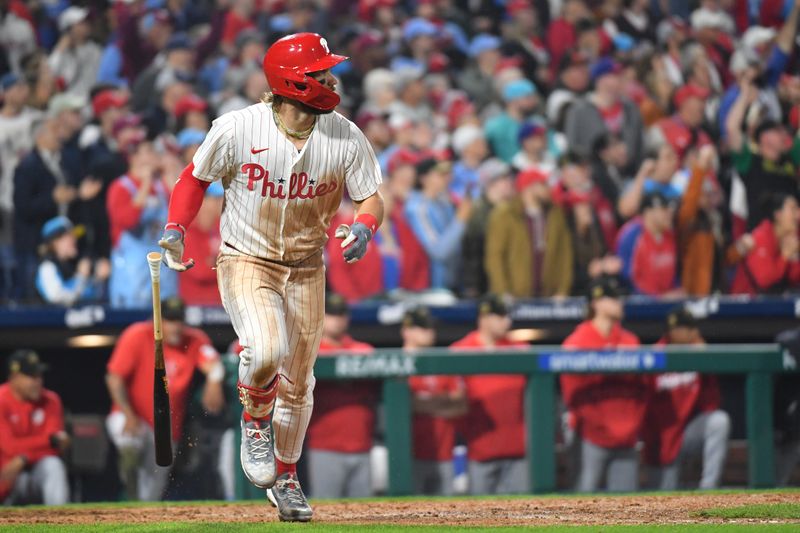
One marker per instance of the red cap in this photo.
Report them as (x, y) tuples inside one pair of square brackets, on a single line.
[(127, 121), (190, 102), (689, 91), (526, 178), (513, 6), (403, 157), (107, 99)]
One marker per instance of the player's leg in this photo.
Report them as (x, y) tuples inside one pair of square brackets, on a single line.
[(707, 434), (482, 477), (513, 477), (252, 294), (359, 480), (152, 479), (593, 461), (327, 472), (422, 477), (623, 470), (445, 473), (667, 477), (23, 492), (49, 476), (129, 452), (304, 308)]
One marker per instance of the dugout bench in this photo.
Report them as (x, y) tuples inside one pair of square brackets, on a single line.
[(542, 365)]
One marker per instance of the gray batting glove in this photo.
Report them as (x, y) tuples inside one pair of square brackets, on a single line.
[(172, 245), (354, 245)]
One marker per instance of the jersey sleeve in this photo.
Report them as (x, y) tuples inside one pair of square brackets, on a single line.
[(126, 353), (362, 170), (214, 158)]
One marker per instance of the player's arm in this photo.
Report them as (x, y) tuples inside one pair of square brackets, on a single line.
[(211, 366), (119, 395), (212, 161), (369, 216)]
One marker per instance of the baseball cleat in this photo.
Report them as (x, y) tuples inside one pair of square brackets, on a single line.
[(257, 453), (288, 497)]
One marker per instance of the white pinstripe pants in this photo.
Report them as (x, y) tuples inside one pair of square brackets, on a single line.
[(277, 312)]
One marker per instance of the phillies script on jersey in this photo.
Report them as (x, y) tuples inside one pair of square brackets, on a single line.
[(298, 186)]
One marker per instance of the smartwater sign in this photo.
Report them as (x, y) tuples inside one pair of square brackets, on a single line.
[(602, 361)]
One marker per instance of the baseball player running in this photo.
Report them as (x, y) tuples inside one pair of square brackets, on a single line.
[(284, 163)]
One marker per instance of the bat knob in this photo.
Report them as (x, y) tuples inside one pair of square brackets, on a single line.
[(342, 232)]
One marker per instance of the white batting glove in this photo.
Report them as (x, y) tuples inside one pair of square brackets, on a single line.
[(172, 246)]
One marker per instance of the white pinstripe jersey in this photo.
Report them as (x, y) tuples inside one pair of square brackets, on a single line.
[(279, 201)]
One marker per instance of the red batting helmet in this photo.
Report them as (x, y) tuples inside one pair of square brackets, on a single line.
[(290, 58)]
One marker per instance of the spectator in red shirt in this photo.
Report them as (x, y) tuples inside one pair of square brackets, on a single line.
[(654, 263), (683, 130), (494, 426), (606, 411), (129, 379), (339, 436), (773, 264), (561, 35), (198, 285), (437, 401), (683, 417), (33, 436)]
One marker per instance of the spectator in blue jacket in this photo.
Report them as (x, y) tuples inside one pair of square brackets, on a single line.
[(437, 222), (62, 278)]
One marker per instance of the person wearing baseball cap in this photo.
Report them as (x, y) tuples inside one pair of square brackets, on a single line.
[(477, 80), (653, 265), (605, 110), (494, 425), (528, 244), (62, 278), (191, 111), (75, 58), (339, 437), (520, 99), (684, 419), (572, 83), (33, 436), (470, 146), (604, 411), (129, 379), (533, 152), (683, 129), (437, 402)]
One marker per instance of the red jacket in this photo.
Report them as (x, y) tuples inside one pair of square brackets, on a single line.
[(344, 411), (654, 263), (607, 409), (764, 267), (434, 436), (26, 427), (198, 285), (678, 398), (494, 427)]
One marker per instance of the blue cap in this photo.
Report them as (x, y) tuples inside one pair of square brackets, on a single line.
[(419, 26), (534, 127), (514, 90), (9, 80), (603, 66), (624, 42), (215, 190), (190, 136), (56, 227), (482, 43), (178, 41)]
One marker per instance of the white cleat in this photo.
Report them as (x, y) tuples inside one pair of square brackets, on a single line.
[(257, 453)]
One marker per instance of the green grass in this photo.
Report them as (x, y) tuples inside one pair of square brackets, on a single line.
[(171, 527), (783, 511)]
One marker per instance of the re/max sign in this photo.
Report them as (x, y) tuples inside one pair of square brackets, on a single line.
[(375, 366)]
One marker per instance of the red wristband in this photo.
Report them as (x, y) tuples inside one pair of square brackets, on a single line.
[(176, 226), (369, 221)]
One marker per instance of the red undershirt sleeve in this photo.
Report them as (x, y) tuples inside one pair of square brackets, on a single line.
[(187, 197)]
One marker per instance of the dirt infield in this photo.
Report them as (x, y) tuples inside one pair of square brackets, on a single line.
[(585, 510)]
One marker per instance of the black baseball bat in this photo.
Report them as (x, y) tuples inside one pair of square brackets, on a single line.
[(162, 420)]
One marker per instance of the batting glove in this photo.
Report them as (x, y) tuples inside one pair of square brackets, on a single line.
[(172, 245), (354, 245)]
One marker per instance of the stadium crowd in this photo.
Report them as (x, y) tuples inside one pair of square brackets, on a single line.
[(527, 147)]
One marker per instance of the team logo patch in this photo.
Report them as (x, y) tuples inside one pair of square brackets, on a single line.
[(37, 417)]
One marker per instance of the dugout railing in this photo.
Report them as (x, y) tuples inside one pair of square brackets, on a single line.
[(542, 365)]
